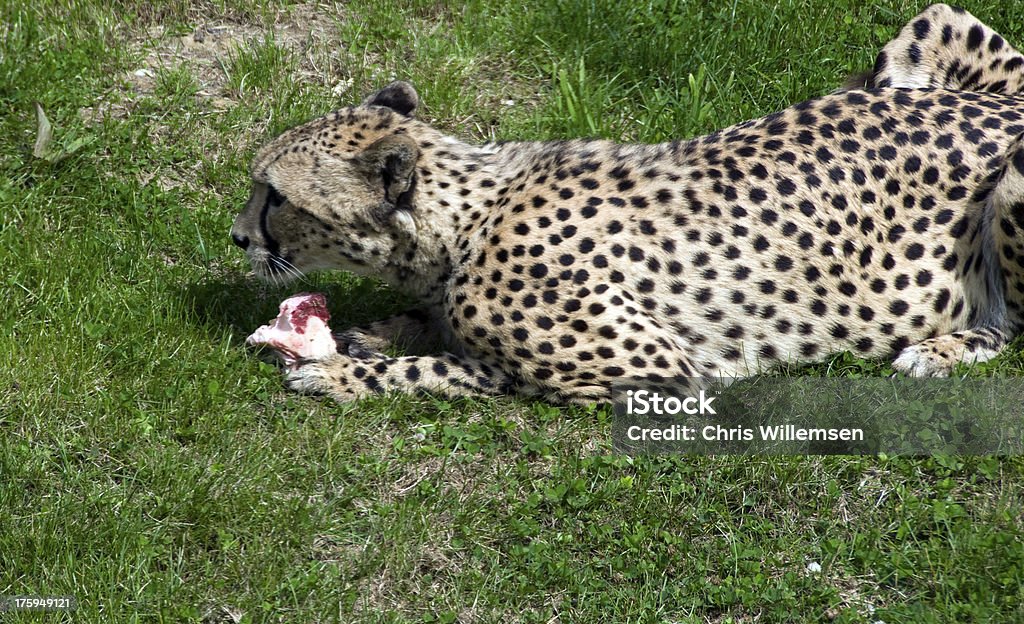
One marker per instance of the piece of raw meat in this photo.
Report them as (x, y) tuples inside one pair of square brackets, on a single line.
[(300, 330)]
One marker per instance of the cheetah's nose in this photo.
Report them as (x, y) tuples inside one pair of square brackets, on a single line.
[(241, 241)]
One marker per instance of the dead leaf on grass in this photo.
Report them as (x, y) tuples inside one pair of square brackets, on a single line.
[(44, 133)]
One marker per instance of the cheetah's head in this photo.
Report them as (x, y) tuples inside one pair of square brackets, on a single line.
[(335, 193)]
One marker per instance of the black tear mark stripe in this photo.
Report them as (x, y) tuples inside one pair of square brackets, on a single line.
[(275, 198)]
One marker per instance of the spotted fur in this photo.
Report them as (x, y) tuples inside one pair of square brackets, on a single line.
[(886, 222), (947, 48)]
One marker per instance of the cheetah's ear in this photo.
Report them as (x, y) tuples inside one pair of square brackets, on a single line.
[(391, 163), (399, 96)]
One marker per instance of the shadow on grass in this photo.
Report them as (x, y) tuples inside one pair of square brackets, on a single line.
[(241, 304)]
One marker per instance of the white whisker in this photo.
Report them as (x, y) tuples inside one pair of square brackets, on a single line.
[(285, 269)]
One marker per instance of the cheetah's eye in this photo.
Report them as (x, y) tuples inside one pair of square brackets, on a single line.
[(274, 198)]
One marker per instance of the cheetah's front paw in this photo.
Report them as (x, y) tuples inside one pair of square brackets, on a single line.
[(328, 376)]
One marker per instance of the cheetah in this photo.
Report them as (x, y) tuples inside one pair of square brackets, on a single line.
[(886, 221)]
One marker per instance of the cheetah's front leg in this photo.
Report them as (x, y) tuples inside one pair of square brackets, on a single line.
[(347, 378)]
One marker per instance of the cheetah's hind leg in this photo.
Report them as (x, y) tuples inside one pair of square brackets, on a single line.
[(946, 48), (937, 356)]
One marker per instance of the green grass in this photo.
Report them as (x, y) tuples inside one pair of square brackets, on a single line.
[(155, 469)]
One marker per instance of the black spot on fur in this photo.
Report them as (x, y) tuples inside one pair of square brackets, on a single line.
[(975, 36)]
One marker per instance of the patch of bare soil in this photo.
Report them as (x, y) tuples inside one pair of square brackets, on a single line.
[(305, 30)]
